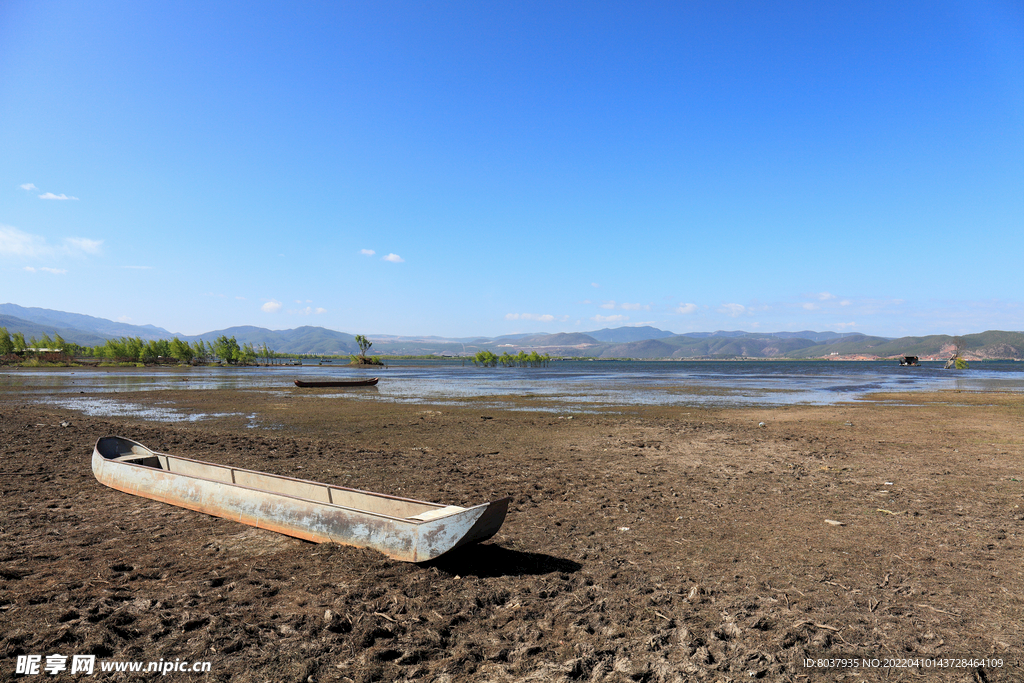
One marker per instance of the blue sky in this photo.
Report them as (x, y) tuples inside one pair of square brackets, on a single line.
[(484, 168)]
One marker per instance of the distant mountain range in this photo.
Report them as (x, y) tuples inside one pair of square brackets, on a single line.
[(622, 342)]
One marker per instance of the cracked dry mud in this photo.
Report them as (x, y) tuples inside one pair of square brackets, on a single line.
[(660, 544)]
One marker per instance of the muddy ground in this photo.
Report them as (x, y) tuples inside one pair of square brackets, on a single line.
[(661, 544)]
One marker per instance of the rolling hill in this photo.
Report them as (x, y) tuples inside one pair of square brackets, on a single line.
[(629, 334), (36, 330), (99, 327), (623, 342)]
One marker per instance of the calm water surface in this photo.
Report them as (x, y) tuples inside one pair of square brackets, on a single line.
[(562, 386)]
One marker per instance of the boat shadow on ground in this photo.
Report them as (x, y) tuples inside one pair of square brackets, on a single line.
[(489, 560)]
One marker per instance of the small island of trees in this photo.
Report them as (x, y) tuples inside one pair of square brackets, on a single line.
[(489, 359), (364, 346)]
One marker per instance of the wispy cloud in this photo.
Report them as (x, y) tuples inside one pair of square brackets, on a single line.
[(394, 258), (84, 245), (28, 186), (733, 310), (594, 284), (14, 242), (825, 296), (309, 310), (138, 267), (272, 306), (610, 318), (544, 318), (367, 252), (52, 271), (686, 309), (609, 305)]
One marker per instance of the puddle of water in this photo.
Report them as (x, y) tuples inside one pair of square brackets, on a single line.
[(105, 407)]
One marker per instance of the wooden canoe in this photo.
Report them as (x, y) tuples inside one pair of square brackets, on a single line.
[(338, 382), (401, 528)]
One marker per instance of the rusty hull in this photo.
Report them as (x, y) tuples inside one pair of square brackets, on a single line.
[(401, 528)]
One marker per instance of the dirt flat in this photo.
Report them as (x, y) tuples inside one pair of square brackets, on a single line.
[(660, 544)]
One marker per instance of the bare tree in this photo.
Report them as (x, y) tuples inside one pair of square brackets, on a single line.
[(956, 360)]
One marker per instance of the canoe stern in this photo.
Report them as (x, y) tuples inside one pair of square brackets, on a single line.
[(471, 525)]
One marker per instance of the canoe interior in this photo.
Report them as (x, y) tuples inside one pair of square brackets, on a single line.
[(127, 452)]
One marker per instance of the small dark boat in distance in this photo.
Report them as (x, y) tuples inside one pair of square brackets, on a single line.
[(337, 382), (909, 360)]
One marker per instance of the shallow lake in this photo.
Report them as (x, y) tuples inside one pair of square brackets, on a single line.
[(561, 386)]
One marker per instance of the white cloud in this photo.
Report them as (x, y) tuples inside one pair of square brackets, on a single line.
[(28, 186), (309, 310), (610, 318), (272, 306), (845, 302), (544, 318), (810, 307), (367, 252), (686, 309), (594, 284), (825, 296), (138, 267), (843, 326), (60, 197), (73, 244), (610, 305), (394, 258), (54, 271), (14, 242), (733, 310)]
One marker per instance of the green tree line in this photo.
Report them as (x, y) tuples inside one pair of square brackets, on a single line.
[(16, 343), (137, 350)]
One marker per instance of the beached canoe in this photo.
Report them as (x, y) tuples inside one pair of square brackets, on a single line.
[(404, 529), (338, 382)]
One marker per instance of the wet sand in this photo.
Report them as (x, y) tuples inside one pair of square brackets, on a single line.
[(642, 544)]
